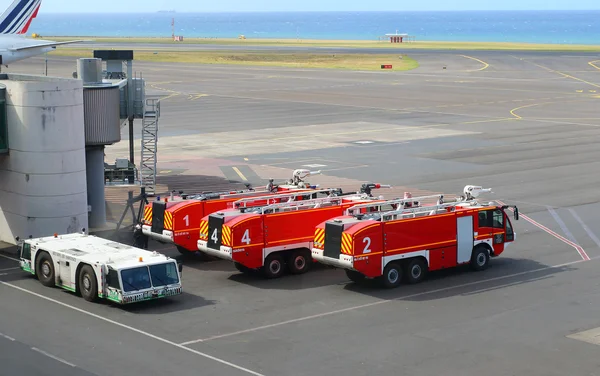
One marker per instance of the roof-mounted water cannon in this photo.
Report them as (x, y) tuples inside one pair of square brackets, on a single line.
[(299, 175), (368, 187), (473, 191)]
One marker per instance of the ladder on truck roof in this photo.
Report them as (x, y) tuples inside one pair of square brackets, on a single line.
[(303, 204), (243, 203), (425, 210), (471, 192), (378, 206)]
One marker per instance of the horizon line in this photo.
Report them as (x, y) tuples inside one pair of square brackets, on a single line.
[(326, 11)]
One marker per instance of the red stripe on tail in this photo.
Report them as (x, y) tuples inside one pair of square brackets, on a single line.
[(26, 27)]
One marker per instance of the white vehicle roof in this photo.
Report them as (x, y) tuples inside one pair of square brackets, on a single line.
[(93, 249)]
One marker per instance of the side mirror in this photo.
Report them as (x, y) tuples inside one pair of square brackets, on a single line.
[(516, 214), (180, 267)]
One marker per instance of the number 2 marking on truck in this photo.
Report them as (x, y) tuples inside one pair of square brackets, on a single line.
[(214, 236), (246, 237), (187, 220), (368, 241)]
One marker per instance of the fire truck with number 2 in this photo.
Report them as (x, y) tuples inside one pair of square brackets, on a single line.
[(273, 236), (175, 220), (406, 243)]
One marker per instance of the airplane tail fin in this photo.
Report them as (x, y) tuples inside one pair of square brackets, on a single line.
[(17, 18)]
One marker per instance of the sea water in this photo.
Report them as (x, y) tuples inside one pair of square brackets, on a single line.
[(571, 27)]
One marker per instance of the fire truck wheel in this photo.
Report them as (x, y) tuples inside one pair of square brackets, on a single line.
[(241, 268), (88, 285), (355, 276), (44, 270), (392, 275), (183, 251), (298, 262), (480, 259), (274, 266), (415, 270)]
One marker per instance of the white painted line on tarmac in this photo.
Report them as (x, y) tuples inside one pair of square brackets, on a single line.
[(7, 337), (562, 224), (7, 269), (53, 357), (133, 329), (587, 229), (10, 258), (354, 308), (577, 247)]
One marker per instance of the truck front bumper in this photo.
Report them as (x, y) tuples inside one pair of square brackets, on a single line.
[(223, 252), (343, 261), (165, 237), (161, 292)]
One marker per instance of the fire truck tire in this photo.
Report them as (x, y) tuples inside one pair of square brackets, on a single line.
[(480, 259), (392, 275), (88, 285), (241, 268), (274, 266), (355, 276), (183, 251), (298, 262), (415, 270), (44, 270)]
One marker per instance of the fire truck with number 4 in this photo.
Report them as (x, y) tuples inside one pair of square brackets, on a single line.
[(274, 236), (406, 243)]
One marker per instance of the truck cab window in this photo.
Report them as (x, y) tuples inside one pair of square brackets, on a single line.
[(26, 251), (485, 218), (498, 219), (510, 235), (164, 274), (113, 279), (136, 279)]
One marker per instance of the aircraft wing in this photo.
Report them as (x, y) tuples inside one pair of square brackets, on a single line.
[(41, 45)]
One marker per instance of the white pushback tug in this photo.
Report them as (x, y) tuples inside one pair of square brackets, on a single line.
[(100, 268)]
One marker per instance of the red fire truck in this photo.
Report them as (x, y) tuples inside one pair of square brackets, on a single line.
[(273, 236), (175, 220), (412, 240)]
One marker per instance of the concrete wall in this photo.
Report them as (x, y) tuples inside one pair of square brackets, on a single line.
[(43, 178)]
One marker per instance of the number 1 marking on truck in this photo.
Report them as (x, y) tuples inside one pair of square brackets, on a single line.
[(187, 220), (246, 237), (368, 241)]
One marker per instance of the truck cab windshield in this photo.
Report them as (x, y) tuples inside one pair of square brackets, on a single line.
[(164, 274), (145, 277), (136, 279)]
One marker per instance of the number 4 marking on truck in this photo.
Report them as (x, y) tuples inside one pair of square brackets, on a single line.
[(368, 241), (187, 220), (246, 237), (214, 236)]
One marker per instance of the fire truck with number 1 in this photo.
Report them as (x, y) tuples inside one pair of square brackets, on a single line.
[(175, 220)]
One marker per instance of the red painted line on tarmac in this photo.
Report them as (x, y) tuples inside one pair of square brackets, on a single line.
[(577, 247)]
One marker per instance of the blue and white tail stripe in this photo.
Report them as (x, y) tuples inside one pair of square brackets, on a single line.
[(18, 16)]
